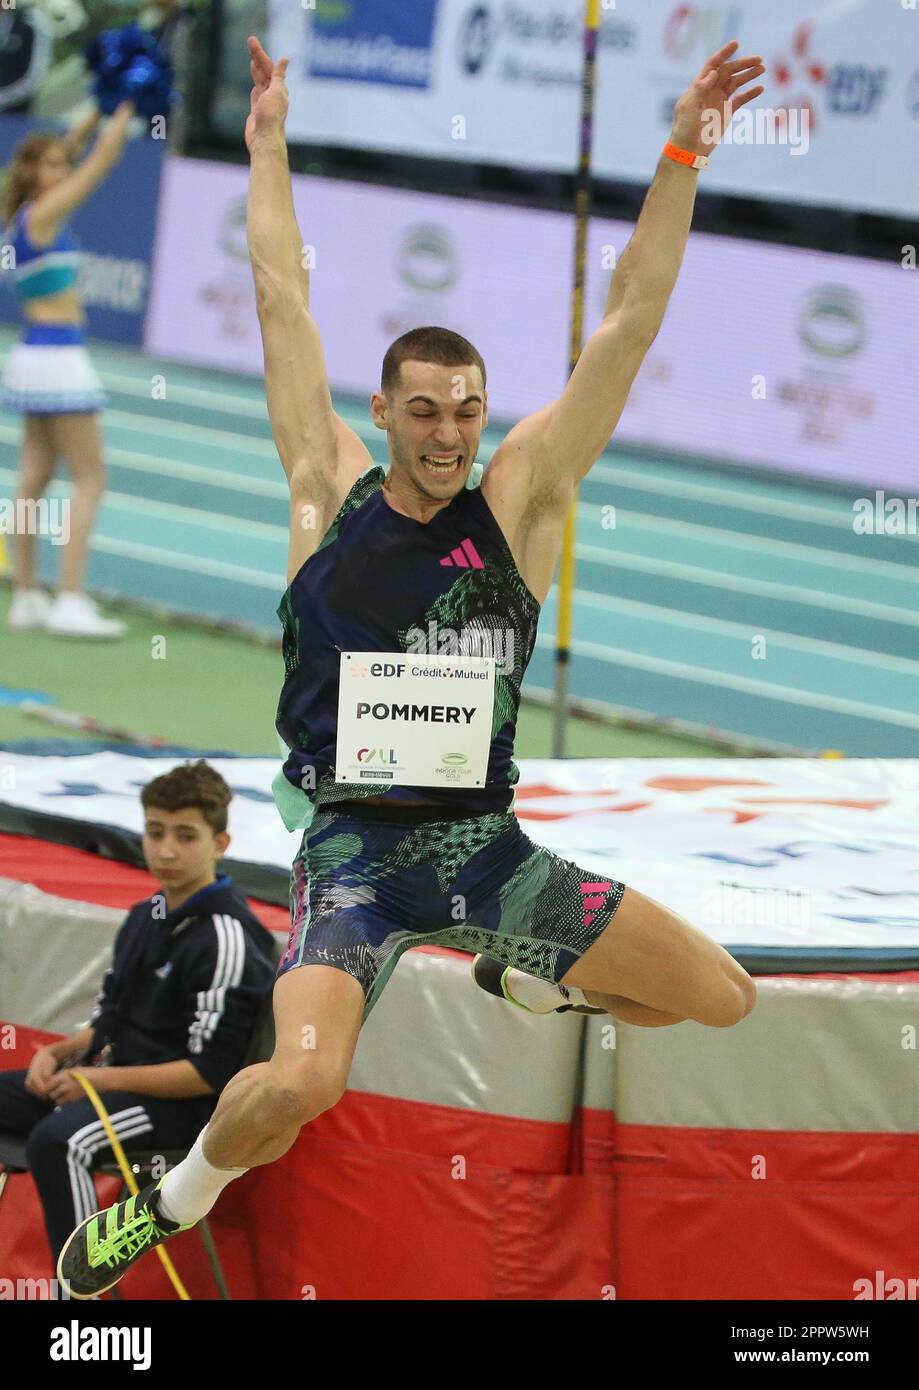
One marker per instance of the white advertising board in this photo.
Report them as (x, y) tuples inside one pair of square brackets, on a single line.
[(498, 82)]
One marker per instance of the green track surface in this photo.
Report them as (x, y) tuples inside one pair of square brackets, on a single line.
[(212, 691)]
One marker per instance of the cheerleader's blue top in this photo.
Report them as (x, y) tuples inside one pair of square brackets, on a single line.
[(41, 270)]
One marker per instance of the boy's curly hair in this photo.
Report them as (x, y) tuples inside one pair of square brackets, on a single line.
[(192, 784)]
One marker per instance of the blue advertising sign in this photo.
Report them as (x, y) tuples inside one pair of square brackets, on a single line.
[(380, 41)]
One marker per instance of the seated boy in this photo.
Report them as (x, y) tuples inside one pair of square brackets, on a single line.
[(191, 970)]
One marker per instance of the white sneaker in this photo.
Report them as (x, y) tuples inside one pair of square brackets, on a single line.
[(528, 991), (29, 609), (76, 615)]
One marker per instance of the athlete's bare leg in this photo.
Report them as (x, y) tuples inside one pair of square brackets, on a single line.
[(630, 1012), (648, 956), (317, 1013)]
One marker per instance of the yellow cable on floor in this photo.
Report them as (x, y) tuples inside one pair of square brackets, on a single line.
[(127, 1174)]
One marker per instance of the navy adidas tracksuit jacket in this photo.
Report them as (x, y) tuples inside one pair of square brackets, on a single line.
[(190, 985)]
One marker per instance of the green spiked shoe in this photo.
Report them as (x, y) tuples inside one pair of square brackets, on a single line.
[(106, 1244)]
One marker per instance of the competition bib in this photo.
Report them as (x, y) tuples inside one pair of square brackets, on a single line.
[(414, 721)]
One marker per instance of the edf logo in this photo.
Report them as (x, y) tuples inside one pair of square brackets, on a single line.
[(856, 90), (387, 668)]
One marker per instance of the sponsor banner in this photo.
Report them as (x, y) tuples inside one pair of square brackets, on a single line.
[(774, 356), (778, 357), (115, 229), (397, 259), (792, 854), (387, 42), (498, 82)]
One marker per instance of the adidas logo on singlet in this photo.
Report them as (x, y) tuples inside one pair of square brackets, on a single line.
[(465, 556)]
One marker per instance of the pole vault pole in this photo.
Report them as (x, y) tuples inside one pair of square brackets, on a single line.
[(582, 213)]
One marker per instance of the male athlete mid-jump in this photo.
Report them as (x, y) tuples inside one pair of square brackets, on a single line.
[(400, 771)]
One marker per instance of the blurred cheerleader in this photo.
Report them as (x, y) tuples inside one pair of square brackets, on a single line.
[(48, 377)]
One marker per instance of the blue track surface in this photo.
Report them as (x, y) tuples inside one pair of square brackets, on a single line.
[(669, 601)]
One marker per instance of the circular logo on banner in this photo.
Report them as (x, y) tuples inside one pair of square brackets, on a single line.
[(912, 95), (232, 233), (427, 258), (475, 38), (832, 321), (454, 759)]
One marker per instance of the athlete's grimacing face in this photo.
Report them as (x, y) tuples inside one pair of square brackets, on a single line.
[(434, 422)]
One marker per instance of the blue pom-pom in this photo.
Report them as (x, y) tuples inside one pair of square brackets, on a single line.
[(107, 96), (148, 87), (128, 65), (139, 75)]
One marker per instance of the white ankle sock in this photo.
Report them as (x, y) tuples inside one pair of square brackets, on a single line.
[(540, 996), (191, 1188)]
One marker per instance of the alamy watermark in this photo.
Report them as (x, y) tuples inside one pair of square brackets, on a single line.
[(884, 1288), (733, 904), (468, 641), (789, 126), (885, 516), (75, 1343), (30, 1289), (31, 516)]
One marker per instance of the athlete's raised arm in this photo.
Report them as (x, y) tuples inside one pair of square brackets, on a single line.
[(321, 455), (562, 441)]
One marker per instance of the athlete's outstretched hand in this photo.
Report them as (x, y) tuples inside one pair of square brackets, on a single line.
[(704, 111), (268, 102)]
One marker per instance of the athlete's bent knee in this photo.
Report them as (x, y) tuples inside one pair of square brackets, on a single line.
[(300, 1093), (731, 1002)]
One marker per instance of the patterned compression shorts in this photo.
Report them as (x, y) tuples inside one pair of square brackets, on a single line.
[(363, 892)]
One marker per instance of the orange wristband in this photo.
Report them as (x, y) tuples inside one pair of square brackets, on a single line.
[(692, 161)]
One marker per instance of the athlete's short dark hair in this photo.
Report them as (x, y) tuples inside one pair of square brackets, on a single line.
[(439, 345), (192, 784)]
